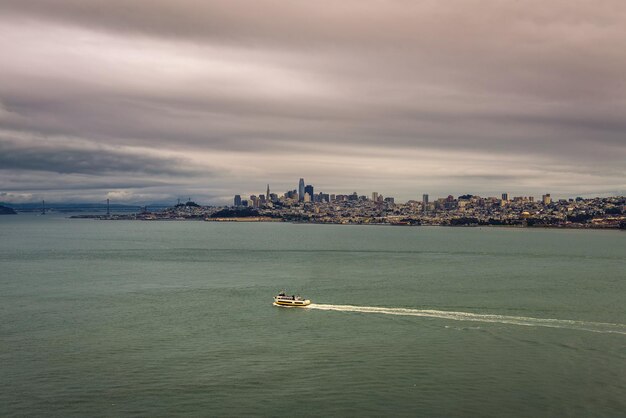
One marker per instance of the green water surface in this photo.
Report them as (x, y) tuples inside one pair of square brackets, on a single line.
[(131, 318)]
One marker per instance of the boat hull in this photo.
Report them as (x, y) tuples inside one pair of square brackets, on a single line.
[(292, 303)]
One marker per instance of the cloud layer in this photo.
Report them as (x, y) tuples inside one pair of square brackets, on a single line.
[(212, 98)]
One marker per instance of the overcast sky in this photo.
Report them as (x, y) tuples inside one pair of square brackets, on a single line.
[(147, 100)]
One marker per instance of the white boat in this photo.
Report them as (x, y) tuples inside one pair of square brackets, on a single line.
[(283, 300)]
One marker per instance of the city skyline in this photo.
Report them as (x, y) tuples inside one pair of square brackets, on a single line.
[(296, 194), (151, 101), (354, 209)]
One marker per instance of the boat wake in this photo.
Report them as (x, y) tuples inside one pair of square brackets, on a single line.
[(601, 327)]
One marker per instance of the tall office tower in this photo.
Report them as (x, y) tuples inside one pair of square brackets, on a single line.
[(309, 189), (262, 199), (237, 200), (267, 193), (424, 202), (505, 197), (374, 196), (546, 199), (301, 190), (307, 197)]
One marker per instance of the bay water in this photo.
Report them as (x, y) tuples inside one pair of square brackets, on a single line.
[(135, 318)]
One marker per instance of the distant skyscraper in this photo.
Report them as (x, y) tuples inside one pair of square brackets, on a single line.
[(309, 189), (301, 190), (374, 196), (424, 202), (237, 200), (505, 197), (267, 193), (546, 199)]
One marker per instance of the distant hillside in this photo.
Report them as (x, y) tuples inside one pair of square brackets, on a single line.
[(5, 210)]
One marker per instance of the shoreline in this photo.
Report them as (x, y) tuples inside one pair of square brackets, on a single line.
[(262, 219)]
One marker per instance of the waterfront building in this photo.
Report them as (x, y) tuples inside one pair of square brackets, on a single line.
[(505, 197), (301, 189), (237, 200), (374, 196)]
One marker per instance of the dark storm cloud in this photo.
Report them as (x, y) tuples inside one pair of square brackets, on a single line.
[(37, 183), (68, 158), (59, 184), (499, 93)]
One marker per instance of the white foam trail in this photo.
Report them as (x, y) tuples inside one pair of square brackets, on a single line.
[(468, 316)]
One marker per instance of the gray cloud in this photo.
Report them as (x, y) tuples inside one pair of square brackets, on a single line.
[(337, 92), (69, 157)]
